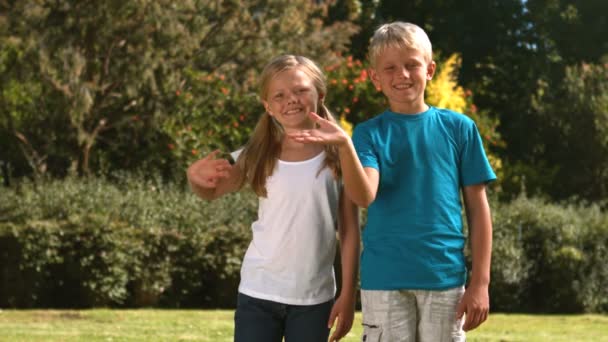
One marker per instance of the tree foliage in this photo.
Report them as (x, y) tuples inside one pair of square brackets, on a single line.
[(112, 68), (575, 131)]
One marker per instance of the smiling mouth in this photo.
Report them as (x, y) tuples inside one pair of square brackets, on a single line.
[(402, 86), (293, 111)]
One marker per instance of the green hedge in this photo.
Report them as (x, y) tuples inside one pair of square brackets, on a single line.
[(549, 257), (125, 242)]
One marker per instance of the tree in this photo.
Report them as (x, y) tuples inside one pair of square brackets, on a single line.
[(113, 67), (552, 137), (571, 31), (575, 133)]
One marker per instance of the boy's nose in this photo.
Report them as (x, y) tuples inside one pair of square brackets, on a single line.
[(403, 72)]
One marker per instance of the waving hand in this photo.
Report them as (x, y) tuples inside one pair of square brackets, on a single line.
[(208, 171), (326, 133)]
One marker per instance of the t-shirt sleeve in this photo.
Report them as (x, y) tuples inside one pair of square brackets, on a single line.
[(365, 148), (235, 154), (474, 165)]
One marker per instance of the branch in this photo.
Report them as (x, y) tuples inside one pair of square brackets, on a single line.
[(63, 88)]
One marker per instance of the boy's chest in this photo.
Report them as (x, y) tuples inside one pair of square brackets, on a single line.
[(416, 146)]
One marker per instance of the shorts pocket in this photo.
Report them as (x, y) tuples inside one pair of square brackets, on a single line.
[(371, 333)]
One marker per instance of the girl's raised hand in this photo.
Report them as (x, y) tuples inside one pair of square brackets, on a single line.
[(327, 133), (208, 171)]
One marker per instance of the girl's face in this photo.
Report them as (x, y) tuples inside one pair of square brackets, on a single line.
[(291, 96), (402, 74)]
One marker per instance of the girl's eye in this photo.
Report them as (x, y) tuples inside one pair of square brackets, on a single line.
[(278, 96)]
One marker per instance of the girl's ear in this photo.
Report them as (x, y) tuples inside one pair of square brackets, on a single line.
[(321, 97), (267, 108)]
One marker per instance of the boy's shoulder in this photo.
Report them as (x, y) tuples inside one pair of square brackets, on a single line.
[(448, 114), (374, 120), (455, 121), (371, 123)]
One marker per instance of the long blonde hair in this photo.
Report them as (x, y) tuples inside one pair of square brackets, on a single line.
[(259, 157)]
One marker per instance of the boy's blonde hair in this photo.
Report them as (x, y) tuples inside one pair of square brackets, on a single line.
[(399, 35), (259, 156)]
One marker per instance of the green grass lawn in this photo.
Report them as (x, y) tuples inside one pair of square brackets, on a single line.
[(216, 326)]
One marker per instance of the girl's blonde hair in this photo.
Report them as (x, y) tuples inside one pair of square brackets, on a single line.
[(399, 35), (259, 157)]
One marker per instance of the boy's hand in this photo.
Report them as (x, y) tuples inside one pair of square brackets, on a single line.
[(208, 171), (327, 132), (344, 311), (476, 304)]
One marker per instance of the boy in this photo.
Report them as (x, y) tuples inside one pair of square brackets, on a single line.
[(414, 161)]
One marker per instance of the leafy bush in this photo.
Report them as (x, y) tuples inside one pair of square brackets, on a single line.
[(134, 242), (547, 257), (211, 107), (89, 242)]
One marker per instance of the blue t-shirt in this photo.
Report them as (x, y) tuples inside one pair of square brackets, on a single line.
[(413, 238)]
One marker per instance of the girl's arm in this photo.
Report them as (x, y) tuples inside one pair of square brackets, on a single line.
[(210, 178), (475, 302), (361, 183), (348, 231)]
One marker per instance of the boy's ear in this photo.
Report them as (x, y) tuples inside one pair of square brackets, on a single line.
[(374, 77), (430, 70)]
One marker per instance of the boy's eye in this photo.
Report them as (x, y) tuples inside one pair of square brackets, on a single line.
[(389, 68), (278, 96)]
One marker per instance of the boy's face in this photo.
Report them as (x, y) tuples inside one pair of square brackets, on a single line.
[(402, 74)]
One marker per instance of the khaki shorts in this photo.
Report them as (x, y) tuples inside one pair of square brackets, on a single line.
[(412, 315)]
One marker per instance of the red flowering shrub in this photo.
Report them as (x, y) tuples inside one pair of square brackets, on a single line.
[(211, 114)]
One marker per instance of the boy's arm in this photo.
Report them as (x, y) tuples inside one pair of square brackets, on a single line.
[(361, 183), (210, 178), (348, 230), (475, 302)]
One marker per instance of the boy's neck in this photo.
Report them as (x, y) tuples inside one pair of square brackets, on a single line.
[(409, 109)]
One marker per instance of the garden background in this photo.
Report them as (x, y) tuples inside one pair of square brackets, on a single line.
[(104, 103)]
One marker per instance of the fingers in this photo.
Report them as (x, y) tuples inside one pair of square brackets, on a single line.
[(471, 322), (305, 136), (211, 156), (474, 319), (460, 308), (343, 325), (332, 316), (207, 173), (300, 134), (340, 331), (314, 117), (332, 319)]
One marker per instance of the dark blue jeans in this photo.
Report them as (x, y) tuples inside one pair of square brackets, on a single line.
[(259, 320)]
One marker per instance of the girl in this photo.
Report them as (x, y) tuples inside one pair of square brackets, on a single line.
[(287, 283)]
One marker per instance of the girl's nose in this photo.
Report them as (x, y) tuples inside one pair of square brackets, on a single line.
[(292, 98)]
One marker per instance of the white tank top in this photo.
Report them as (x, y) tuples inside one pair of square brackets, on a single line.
[(290, 258)]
